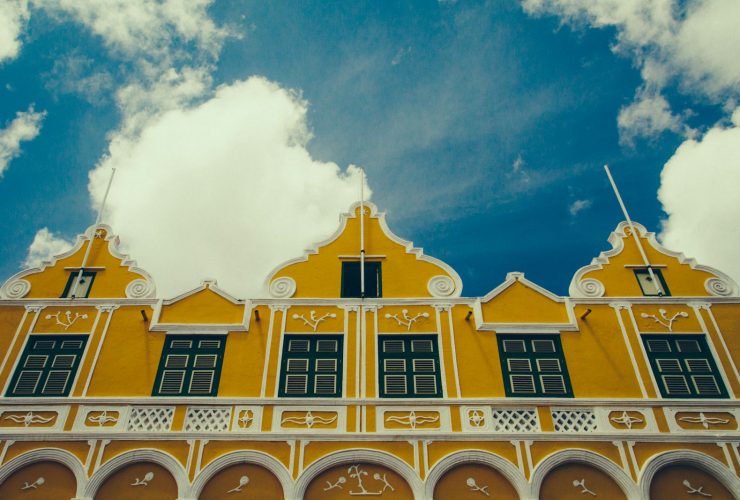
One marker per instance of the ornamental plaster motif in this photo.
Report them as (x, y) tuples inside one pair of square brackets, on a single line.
[(441, 286), (313, 320), (406, 320), (581, 483), (358, 473), (688, 419), (411, 419), (246, 419), (313, 419), (101, 418), (34, 485), (695, 491), (705, 421), (719, 287), (19, 419), (664, 320), (15, 289), (309, 420), (140, 289), (29, 419), (590, 287), (243, 481), (475, 418), (470, 482), (145, 480), (65, 320), (627, 419), (283, 288)]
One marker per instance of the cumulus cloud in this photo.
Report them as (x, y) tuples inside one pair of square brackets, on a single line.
[(647, 116), (45, 245), (578, 206), (24, 127), (223, 189), (699, 193), (693, 43), (13, 17)]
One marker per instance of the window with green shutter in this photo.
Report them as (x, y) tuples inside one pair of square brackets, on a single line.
[(190, 366), (311, 366), (78, 286), (683, 366), (47, 366), (534, 366), (648, 286), (409, 366)]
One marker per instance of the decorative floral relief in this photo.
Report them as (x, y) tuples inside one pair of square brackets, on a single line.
[(29, 419), (356, 472), (627, 420), (476, 418), (34, 485), (243, 481), (313, 321), (102, 418), (695, 491), (144, 482), (474, 487), (412, 419), (664, 319), (407, 320), (246, 418), (67, 320), (581, 483), (705, 421), (309, 420)]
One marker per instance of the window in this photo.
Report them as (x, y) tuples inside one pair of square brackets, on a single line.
[(190, 366), (48, 365), (351, 286), (312, 366), (683, 366), (534, 365), (648, 287), (82, 290), (409, 366)]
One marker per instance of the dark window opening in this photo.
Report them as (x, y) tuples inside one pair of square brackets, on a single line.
[(78, 288), (351, 285), (648, 287)]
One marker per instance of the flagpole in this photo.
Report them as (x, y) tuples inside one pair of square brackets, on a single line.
[(89, 245), (362, 233), (634, 233)]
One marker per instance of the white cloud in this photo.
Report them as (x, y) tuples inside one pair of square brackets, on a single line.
[(24, 127), (224, 189), (578, 206), (45, 245), (699, 186), (13, 17), (647, 116)]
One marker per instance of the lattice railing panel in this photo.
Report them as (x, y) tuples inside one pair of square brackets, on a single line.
[(574, 420), (207, 419), (515, 420), (150, 419)]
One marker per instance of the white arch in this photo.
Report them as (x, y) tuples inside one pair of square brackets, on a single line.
[(356, 456), (500, 464), (136, 456), (710, 465), (47, 454), (586, 457), (243, 456)]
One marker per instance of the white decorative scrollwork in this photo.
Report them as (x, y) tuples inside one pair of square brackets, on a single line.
[(67, 320), (313, 321), (441, 286), (582, 484), (246, 417), (718, 286), (282, 288), (309, 420), (407, 320), (140, 289), (34, 485), (16, 289), (627, 420), (705, 421), (412, 419), (474, 487), (144, 482), (243, 481), (29, 418), (591, 287), (695, 491), (102, 418), (664, 319), (357, 472), (476, 418)]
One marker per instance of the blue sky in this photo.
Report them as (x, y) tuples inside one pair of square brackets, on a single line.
[(482, 128)]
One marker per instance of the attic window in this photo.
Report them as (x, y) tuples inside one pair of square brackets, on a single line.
[(78, 288), (351, 286), (648, 287)]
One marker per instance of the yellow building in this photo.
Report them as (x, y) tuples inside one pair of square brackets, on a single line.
[(624, 389)]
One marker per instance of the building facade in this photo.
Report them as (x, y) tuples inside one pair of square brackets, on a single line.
[(374, 378)]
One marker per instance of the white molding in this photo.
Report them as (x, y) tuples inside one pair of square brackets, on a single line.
[(487, 418), (727, 287), (61, 417), (14, 340), (628, 345), (158, 457), (584, 457), (443, 420), (100, 344), (361, 455), (606, 425), (62, 457), (710, 465), (707, 307), (671, 411), (83, 411), (256, 424), (340, 421), (268, 352), (380, 216), (247, 457)]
